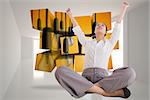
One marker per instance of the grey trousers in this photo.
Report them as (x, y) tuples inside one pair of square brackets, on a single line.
[(77, 84)]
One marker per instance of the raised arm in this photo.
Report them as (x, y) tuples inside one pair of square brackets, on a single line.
[(74, 22), (76, 28), (116, 30), (125, 5)]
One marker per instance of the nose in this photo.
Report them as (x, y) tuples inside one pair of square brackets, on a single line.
[(100, 27)]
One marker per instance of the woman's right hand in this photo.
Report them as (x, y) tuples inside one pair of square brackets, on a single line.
[(68, 11), (74, 22), (126, 4)]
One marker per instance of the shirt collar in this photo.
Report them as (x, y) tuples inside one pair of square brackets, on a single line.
[(103, 41)]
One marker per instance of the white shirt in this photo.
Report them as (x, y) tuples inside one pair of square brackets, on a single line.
[(97, 53)]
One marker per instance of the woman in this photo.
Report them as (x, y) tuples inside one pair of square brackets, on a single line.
[(96, 78)]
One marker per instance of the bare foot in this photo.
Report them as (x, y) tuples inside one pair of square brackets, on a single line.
[(96, 89), (115, 93)]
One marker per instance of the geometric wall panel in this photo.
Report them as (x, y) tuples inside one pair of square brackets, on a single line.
[(63, 47)]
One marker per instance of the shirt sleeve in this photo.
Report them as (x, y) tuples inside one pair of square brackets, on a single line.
[(80, 34), (115, 34)]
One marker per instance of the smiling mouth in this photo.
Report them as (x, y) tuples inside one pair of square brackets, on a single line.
[(99, 33), (99, 28)]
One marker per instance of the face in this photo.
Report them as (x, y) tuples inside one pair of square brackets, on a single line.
[(100, 30)]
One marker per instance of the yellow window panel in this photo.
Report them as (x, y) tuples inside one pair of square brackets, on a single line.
[(50, 19), (52, 41), (43, 18), (45, 61), (73, 49), (108, 35), (49, 40), (110, 63), (55, 41), (58, 16), (61, 17), (35, 15), (40, 40), (65, 61), (78, 63), (117, 45), (104, 17), (85, 24)]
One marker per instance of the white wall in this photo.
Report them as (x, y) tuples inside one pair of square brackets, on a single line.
[(125, 39), (24, 87), (10, 49), (1, 74), (0, 52), (149, 49), (138, 49)]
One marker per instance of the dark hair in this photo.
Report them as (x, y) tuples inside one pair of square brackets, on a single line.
[(106, 27), (106, 30)]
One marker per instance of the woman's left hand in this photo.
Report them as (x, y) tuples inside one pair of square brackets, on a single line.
[(126, 4)]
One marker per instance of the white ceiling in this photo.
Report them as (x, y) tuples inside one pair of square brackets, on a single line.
[(79, 7), (21, 8)]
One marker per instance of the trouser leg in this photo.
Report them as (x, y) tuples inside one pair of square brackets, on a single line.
[(120, 78), (73, 82)]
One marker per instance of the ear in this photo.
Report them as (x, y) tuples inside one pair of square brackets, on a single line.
[(106, 29)]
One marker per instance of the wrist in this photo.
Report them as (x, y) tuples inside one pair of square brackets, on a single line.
[(70, 15), (125, 4)]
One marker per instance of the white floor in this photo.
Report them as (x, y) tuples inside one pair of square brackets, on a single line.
[(23, 87)]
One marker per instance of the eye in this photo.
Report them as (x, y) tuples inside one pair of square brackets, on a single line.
[(97, 24), (103, 25)]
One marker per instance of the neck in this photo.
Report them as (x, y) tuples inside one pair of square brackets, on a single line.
[(98, 39)]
